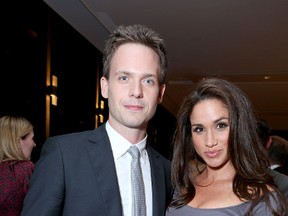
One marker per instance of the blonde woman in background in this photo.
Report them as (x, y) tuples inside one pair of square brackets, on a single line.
[(16, 144)]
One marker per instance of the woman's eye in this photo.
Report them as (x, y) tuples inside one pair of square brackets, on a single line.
[(197, 129), (222, 125)]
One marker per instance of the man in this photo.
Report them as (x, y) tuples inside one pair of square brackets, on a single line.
[(281, 180), (88, 173), (278, 154)]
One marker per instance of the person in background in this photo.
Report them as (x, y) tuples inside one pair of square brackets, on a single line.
[(278, 154), (16, 144), (88, 173), (219, 166), (264, 132)]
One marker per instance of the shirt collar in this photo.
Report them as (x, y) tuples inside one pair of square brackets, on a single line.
[(120, 145), (274, 166)]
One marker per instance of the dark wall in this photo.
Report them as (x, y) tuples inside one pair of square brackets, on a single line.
[(76, 63), (26, 29), (22, 50), (160, 130)]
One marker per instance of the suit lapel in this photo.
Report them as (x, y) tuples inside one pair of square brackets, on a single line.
[(158, 181), (101, 156)]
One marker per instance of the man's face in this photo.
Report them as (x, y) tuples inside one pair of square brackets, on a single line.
[(133, 88)]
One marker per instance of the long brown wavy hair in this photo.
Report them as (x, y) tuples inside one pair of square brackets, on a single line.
[(248, 156)]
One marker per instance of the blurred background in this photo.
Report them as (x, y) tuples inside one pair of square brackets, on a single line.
[(51, 57)]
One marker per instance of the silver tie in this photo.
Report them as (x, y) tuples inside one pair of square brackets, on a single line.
[(138, 192)]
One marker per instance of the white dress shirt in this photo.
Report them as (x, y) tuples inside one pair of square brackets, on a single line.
[(274, 166), (122, 161)]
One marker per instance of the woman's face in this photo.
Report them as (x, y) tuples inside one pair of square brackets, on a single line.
[(27, 144), (210, 131)]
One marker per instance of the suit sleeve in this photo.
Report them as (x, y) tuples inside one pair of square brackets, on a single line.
[(46, 192)]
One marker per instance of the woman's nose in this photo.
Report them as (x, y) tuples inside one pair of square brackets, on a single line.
[(212, 140)]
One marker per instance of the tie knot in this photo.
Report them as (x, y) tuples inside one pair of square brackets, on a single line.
[(134, 152)]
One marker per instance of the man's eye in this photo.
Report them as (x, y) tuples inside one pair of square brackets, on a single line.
[(149, 82), (123, 78)]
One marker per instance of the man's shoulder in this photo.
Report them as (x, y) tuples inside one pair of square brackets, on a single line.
[(79, 134), (281, 181), (157, 154), (278, 175), (79, 138), (281, 169)]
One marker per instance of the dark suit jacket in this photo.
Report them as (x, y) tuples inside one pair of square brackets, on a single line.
[(76, 176), (281, 169), (281, 181)]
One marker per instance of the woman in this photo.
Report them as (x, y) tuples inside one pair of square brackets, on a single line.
[(16, 144), (219, 166)]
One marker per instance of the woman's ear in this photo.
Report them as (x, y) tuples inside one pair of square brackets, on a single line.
[(20, 141)]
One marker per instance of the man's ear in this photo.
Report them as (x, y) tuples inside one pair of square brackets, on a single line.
[(104, 87), (268, 144), (161, 93)]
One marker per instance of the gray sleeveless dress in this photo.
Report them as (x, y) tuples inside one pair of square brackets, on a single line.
[(238, 210)]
